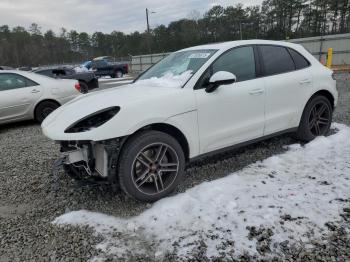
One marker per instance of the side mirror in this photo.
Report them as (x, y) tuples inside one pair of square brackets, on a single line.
[(220, 78)]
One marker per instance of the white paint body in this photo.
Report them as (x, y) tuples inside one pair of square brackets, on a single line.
[(19, 104), (232, 114)]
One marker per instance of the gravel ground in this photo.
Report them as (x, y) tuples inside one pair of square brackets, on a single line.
[(30, 199)]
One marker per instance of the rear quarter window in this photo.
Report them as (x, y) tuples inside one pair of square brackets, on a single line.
[(299, 60)]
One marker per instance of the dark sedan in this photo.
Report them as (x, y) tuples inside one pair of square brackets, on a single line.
[(87, 80), (6, 68)]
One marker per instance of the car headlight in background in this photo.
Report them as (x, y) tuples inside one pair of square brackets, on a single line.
[(94, 120)]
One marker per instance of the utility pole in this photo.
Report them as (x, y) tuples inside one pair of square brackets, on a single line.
[(147, 21), (240, 29), (148, 30)]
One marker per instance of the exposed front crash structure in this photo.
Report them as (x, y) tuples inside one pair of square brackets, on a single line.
[(89, 159)]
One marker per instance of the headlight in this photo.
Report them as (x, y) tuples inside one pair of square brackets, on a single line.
[(94, 120)]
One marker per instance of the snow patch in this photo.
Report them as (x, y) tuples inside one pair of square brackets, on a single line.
[(110, 79), (303, 183), (168, 80), (119, 82), (81, 69)]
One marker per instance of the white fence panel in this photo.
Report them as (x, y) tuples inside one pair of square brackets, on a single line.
[(319, 45), (143, 62)]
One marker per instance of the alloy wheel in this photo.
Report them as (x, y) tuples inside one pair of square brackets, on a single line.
[(155, 168), (319, 119)]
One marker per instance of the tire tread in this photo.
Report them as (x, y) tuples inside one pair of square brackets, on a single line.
[(133, 143), (303, 132)]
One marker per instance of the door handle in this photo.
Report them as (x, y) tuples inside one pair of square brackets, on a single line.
[(256, 92), (305, 81), (34, 91)]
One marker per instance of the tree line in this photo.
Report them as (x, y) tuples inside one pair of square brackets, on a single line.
[(273, 19)]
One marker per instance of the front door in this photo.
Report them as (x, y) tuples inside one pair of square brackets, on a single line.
[(233, 113)]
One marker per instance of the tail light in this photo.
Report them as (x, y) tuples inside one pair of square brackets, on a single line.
[(127, 67), (77, 87)]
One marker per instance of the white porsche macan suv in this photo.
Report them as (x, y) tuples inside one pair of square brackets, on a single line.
[(195, 102)]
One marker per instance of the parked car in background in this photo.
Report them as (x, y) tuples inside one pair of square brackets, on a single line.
[(87, 65), (104, 66), (25, 68), (87, 80), (196, 102), (6, 68), (26, 95)]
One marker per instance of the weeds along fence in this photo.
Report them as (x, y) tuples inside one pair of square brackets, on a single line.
[(317, 46)]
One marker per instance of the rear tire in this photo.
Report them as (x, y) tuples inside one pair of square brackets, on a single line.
[(119, 74), (84, 87), (44, 109), (316, 119), (151, 166)]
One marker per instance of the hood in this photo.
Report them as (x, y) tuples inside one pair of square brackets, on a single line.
[(138, 104), (85, 105)]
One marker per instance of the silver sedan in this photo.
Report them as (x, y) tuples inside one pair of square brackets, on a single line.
[(26, 95)]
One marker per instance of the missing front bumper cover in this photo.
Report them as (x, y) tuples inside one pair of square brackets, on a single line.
[(78, 155), (92, 159)]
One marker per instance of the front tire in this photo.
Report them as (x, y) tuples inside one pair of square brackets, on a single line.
[(316, 119), (44, 109), (151, 166)]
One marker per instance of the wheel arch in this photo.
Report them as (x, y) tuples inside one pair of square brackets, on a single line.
[(43, 101), (302, 132), (322, 92), (171, 130), (326, 94)]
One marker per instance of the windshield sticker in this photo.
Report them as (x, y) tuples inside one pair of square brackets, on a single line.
[(199, 55)]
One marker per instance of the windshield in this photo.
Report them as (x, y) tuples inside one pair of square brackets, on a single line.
[(179, 63)]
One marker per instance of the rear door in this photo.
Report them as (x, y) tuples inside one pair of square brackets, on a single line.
[(286, 85), (18, 94)]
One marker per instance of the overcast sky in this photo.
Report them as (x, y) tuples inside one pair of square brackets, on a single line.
[(104, 16)]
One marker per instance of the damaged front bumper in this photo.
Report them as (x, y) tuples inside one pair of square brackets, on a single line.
[(91, 159)]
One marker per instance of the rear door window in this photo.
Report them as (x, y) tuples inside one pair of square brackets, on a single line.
[(276, 60)]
